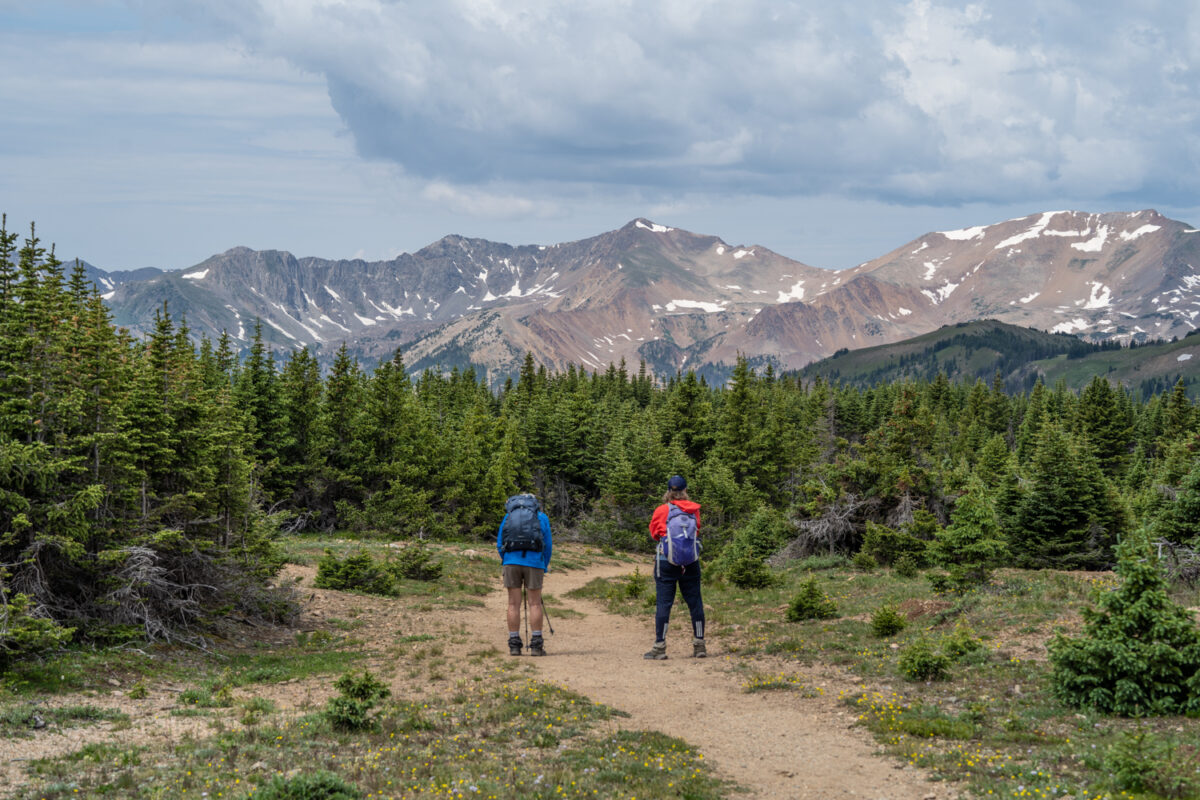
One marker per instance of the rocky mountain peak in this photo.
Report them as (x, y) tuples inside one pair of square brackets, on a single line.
[(680, 299)]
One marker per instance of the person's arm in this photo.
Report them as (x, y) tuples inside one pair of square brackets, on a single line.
[(500, 537), (658, 522), (547, 541)]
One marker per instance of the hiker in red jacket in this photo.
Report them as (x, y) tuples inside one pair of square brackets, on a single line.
[(676, 563)]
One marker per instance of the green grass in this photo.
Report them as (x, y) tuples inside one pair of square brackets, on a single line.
[(992, 725), (23, 720), (502, 737)]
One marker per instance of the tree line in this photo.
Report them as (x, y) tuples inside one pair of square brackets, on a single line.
[(144, 482)]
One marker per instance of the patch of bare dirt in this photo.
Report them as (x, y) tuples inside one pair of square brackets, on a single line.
[(916, 608)]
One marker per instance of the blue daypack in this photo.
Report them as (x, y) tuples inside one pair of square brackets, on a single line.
[(522, 529), (680, 546)]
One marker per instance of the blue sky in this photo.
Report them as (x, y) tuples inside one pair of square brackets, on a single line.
[(158, 132)]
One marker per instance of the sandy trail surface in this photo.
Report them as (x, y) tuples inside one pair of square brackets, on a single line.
[(776, 744)]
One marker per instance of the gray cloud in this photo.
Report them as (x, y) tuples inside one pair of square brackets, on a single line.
[(924, 102)]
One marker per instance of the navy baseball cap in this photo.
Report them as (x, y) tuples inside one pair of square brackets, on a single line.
[(677, 483)]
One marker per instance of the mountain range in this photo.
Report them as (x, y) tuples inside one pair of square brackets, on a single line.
[(681, 300)]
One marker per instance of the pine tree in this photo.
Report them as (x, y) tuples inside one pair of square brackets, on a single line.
[(305, 438), (1178, 521), (257, 394), (1105, 425), (1052, 524), (347, 451), (1139, 652), (971, 545)]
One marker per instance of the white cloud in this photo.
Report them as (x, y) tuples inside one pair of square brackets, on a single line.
[(481, 203), (440, 117)]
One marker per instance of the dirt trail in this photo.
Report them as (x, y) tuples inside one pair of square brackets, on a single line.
[(780, 745), (777, 744)]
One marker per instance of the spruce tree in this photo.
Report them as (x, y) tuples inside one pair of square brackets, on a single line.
[(1052, 524), (971, 545), (1178, 520), (1105, 425), (1139, 652)]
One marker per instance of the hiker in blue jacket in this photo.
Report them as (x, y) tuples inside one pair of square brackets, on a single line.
[(524, 545)]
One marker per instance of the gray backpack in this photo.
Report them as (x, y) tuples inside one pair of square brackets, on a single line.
[(522, 529)]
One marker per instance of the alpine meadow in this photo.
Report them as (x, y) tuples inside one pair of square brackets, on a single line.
[(225, 574)]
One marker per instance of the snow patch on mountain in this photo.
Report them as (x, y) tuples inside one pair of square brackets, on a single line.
[(743, 253), (364, 320), (942, 293), (332, 293), (1101, 296), (1079, 323), (966, 234), (654, 228), (1094, 245), (795, 293), (327, 318), (1129, 236), (700, 305), (1032, 232), (198, 275), (274, 325)]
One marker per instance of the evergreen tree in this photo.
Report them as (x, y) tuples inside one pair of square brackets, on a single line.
[(346, 451), (257, 394), (971, 545), (1178, 521), (1139, 652), (1105, 425), (1053, 522)]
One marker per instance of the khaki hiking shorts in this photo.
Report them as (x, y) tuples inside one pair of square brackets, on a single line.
[(516, 576)]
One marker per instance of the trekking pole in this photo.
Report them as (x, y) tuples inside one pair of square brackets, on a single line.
[(546, 614), (525, 598)]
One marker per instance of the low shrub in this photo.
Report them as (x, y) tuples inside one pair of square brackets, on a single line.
[(319, 785), (629, 587), (416, 563), (960, 642), (811, 603), (358, 573), (351, 710), (864, 562), (1141, 762), (22, 634), (887, 621), (921, 661), (888, 546), (906, 566), (748, 571)]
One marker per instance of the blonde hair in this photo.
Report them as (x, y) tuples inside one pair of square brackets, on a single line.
[(676, 494)]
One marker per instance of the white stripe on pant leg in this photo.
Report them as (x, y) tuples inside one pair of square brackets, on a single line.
[(698, 626)]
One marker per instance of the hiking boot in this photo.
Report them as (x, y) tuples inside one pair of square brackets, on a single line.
[(658, 652), (698, 649), (514, 645), (537, 646)]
